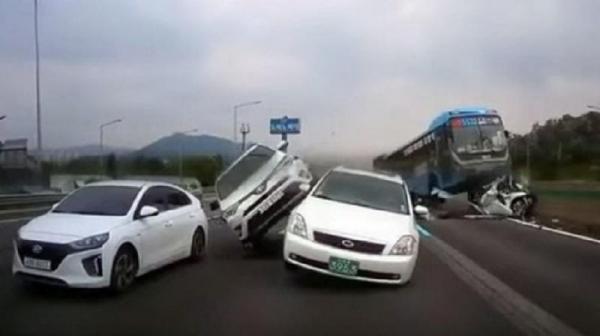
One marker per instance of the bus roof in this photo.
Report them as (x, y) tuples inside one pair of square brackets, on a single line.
[(443, 117)]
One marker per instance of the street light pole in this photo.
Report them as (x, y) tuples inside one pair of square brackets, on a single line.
[(102, 140), (37, 78), (235, 117), (181, 152), (244, 130)]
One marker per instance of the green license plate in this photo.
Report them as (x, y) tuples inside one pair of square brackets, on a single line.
[(343, 266)]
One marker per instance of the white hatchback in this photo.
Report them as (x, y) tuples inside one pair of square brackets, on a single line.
[(356, 225), (108, 233)]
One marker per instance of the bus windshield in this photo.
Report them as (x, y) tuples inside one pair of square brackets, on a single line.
[(478, 135)]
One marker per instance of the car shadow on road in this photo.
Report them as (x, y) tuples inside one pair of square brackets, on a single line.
[(39, 291), (303, 279), (271, 247)]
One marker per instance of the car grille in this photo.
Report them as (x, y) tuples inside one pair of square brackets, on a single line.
[(348, 244), (50, 251)]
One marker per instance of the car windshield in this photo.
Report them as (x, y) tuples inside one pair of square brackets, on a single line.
[(477, 135), (99, 200), (362, 190), (241, 171)]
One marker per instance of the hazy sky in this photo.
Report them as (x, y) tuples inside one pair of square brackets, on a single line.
[(364, 76)]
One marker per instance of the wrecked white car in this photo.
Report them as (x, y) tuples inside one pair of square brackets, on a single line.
[(260, 188), (505, 197)]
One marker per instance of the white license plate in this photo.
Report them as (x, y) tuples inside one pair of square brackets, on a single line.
[(37, 263), (270, 201)]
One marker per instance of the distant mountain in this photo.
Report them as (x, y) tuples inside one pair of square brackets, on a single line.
[(84, 150), (191, 145)]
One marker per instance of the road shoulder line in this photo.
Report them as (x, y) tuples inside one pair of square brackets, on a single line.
[(560, 232), (544, 228), (522, 313)]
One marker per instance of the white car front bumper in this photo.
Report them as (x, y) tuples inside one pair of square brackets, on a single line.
[(385, 269), (70, 272)]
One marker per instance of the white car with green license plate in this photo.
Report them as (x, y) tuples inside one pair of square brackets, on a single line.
[(356, 225)]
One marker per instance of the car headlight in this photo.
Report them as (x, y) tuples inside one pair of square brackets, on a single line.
[(90, 243), (405, 246), (231, 211), (297, 225)]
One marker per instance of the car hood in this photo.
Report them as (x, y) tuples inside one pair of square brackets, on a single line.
[(62, 228), (354, 221)]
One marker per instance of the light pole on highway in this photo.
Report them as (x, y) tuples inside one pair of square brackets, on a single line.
[(235, 112), (38, 105), (245, 129), (112, 122), (181, 152)]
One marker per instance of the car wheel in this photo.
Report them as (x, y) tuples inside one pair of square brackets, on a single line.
[(124, 270), (198, 247), (519, 208)]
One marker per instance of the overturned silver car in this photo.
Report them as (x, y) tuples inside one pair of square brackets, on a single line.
[(260, 188)]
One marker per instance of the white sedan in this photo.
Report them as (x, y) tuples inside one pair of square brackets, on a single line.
[(356, 225), (108, 233)]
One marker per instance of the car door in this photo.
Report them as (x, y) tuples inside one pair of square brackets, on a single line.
[(155, 233), (183, 214)]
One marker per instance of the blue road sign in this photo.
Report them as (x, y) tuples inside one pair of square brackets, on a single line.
[(285, 125)]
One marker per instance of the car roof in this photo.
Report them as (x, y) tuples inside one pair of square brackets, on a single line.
[(382, 176), (130, 183)]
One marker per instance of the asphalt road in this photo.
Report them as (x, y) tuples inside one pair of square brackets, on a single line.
[(560, 274), (233, 292)]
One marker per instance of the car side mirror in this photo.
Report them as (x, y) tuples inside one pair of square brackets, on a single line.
[(214, 206), (421, 212), (304, 187), (148, 211)]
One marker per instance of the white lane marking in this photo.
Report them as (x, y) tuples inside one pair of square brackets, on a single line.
[(544, 228), (522, 313), (423, 231), (560, 232)]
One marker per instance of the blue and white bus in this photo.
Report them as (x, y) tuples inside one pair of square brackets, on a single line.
[(462, 150)]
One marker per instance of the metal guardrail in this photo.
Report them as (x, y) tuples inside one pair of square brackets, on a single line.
[(13, 207), (8, 202)]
